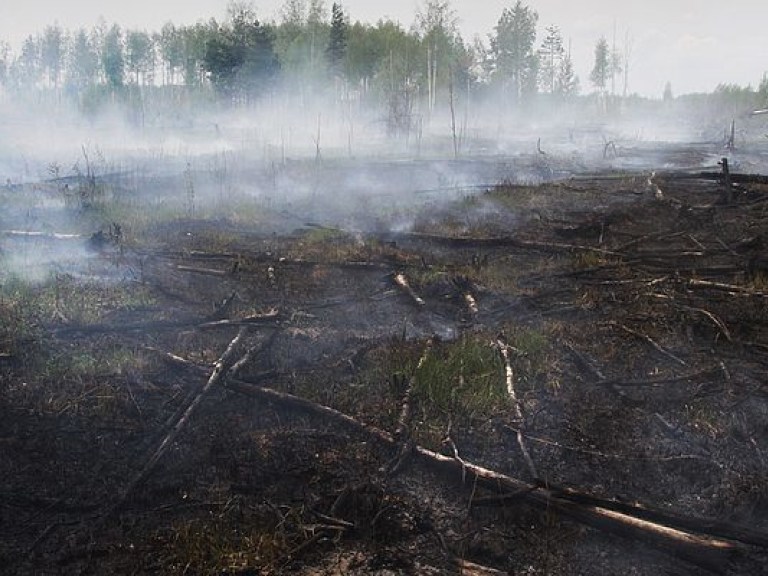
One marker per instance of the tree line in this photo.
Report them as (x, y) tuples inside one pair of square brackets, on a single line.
[(242, 55), (310, 49)]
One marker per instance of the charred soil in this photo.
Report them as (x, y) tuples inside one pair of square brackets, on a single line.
[(220, 400)]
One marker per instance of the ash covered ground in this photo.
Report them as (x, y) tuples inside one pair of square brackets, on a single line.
[(529, 359)]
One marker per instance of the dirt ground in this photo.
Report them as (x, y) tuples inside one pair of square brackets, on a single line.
[(600, 338)]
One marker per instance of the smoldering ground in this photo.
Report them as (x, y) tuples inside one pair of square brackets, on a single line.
[(284, 162)]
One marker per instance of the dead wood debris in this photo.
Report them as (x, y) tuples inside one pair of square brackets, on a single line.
[(588, 365), (509, 380), (705, 543), (221, 367), (271, 318), (690, 291), (508, 241), (695, 545), (718, 176), (206, 271), (650, 341), (403, 431), (402, 282)]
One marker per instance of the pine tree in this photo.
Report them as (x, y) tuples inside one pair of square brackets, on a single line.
[(239, 56), (337, 45), (602, 68), (551, 56), (512, 48), (566, 83)]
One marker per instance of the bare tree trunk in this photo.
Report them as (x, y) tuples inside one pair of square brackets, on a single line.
[(429, 80), (453, 119)]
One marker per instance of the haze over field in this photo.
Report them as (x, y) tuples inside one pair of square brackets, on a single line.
[(695, 46), (214, 87)]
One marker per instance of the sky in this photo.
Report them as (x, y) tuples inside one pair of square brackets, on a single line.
[(693, 45)]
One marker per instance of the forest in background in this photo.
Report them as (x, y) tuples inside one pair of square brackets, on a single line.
[(314, 56)]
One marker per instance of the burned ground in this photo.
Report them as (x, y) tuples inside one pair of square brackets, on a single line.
[(603, 339)]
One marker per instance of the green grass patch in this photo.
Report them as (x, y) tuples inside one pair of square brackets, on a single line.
[(461, 380), (531, 358), (65, 299)]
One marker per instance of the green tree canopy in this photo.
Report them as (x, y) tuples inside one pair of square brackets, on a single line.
[(512, 55), (52, 51), (337, 44), (139, 55), (112, 58), (83, 61), (239, 56)]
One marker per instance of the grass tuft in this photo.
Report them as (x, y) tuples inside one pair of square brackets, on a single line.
[(461, 380)]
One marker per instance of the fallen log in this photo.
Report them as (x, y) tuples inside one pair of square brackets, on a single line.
[(733, 289), (588, 452), (44, 235), (713, 318), (205, 271), (707, 543), (657, 237), (656, 382), (694, 546), (270, 318), (221, 367), (262, 258), (505, 241), (587, 365), (710, 526), (735, 178), (146, 326)]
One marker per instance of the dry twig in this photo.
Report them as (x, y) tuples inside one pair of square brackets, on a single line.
[(222, 366), (403, 283), (518, 412), (648, 339)]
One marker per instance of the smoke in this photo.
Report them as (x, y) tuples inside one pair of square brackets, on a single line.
[(290, 159)]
